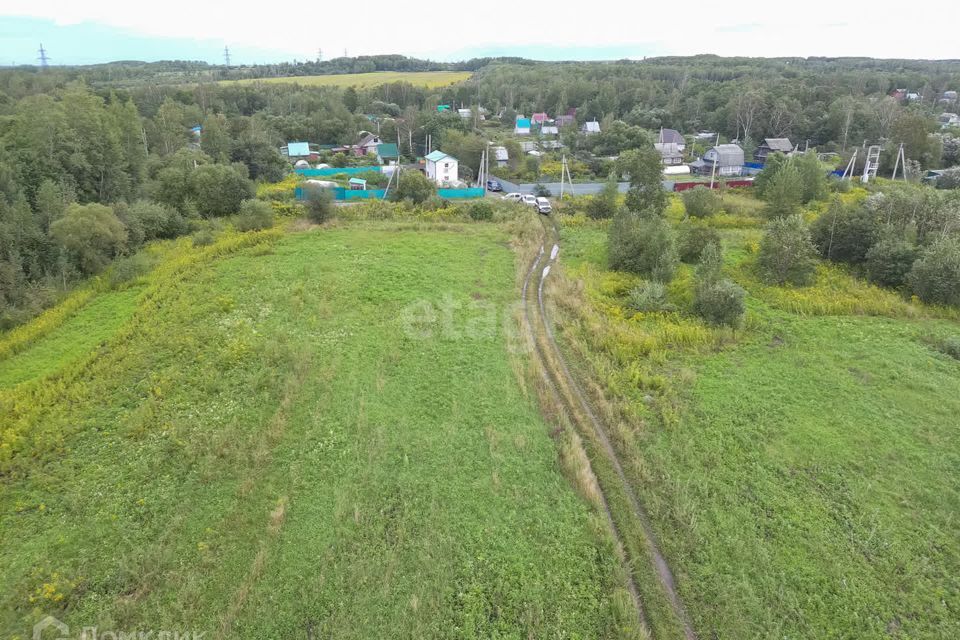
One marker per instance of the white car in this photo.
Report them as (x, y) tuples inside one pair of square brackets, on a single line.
[(513, 197), (529, 199), (543, 206)]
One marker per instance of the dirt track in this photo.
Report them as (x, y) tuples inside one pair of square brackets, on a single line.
[(569, 395)]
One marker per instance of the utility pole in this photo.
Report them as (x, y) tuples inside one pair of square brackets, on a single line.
[(226, 56), (713, 173), (899, 164), (44, 58), (319, 55)]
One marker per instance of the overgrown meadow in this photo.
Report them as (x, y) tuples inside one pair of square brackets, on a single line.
[(248, 440), (800, 469)]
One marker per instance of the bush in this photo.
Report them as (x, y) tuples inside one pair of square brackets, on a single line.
[(935, 277), (481, 210), (787, 254), (643, 245), (413, 186), (950, 179), (701, 202), (784, 192), (91, 234), (203, 238), (319, 204), (254, 216), (889, 261), (541, 191), (648, 296), (693, 238), (720, 303), (218, 189), (604, 205), (845, 234)]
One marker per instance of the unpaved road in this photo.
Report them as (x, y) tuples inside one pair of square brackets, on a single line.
[(576, 405)]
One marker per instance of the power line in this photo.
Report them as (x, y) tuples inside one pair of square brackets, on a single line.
[(44, 58), (226, 55)]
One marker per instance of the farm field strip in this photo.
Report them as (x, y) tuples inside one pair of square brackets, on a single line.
[(429, 79), (273, 450)]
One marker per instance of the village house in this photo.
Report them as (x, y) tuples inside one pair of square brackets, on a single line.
[(295, 151), (728, 159), (522, 127), (539, 118), (501, 155), (388, 153), (772, 145), (672, 136), (591, 127), (442, 168), (549, 130), (670, 153)]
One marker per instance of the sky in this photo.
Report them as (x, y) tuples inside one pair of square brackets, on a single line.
[(91, 31)]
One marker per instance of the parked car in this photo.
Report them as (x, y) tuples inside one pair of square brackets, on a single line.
[(494, 185), (543, 206), (513, 197), (529, 199)]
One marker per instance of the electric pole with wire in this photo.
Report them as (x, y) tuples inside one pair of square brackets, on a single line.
[(226, 56), (44, 58)]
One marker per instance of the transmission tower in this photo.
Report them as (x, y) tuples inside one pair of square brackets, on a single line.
[(226, 56), (44, 58), (319, 55)]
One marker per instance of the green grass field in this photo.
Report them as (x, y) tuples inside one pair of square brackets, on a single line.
[(801, 473), (253, 443), (429, 79)]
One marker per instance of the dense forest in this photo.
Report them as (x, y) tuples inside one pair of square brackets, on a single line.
[(95, 161)]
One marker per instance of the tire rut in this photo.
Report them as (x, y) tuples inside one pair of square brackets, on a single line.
[(559, 377)]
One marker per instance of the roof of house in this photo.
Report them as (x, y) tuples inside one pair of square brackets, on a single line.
[(670, 149), (295, 149), (671, 136), (357, 181), (501, 153), (593, 126), (388, 150), (437, 156), (539, 116), (368, 140), (523, 123), (729, 155), (549, 130), (778, 144)]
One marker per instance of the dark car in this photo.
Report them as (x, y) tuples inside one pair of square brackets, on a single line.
[(494, 185)]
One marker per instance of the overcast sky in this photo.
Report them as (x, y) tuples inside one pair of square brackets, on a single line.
[(86, 31)]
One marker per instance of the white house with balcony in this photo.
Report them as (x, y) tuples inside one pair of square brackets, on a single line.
[(442, 168)]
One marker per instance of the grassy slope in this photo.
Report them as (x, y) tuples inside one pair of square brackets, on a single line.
[(269, 449), (79, 335), (429, 79), (808, 487)]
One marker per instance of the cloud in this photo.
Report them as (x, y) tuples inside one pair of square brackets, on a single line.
[(813, 28)]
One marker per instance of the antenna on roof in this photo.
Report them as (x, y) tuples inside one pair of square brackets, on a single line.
[(226, 56), (44, 58)]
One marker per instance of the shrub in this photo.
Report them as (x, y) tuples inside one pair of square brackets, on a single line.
[(784, 192), (218, 189), (203, 238), (648, 296), (720, 302), (255, 215), (604, 204), (787, 254), (701, 202), (845, 234), (91, 234), (413, 186), (481, 210), (950, 179), (644, 245), (319, 204), (541, 191), (889, 261), (935, 277), (693, 238)]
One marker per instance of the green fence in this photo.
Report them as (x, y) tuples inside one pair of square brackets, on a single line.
[(332, 171), (341, 193)]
